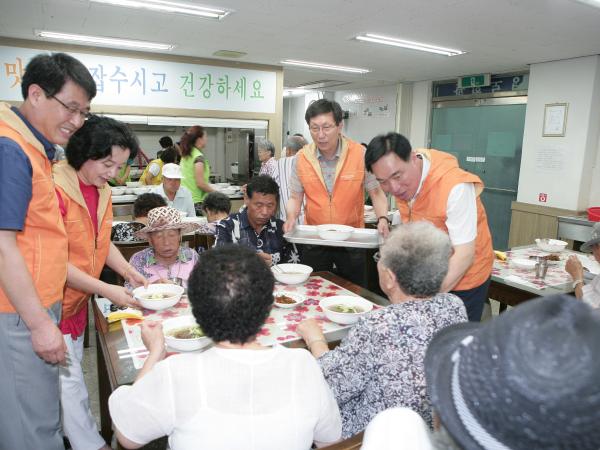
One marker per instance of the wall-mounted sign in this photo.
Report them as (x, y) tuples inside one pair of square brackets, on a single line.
[(147, 83), (472, 81)]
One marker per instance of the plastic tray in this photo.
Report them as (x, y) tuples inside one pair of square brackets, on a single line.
[(361, 237)]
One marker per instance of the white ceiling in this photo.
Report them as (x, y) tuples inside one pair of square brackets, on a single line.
[(499, 35)]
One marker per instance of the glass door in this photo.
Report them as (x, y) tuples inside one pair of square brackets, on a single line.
[(486, 136)]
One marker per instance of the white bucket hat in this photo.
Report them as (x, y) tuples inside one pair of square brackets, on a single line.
[(172, 171)]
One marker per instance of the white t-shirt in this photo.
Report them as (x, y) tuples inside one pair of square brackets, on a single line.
[(461, 209), (230, 399)]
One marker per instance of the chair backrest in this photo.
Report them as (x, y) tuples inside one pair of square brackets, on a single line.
[(127, 249), (352, 443), (205, 241)]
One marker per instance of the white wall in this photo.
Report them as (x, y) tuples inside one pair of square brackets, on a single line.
[(421, 113), (562, 167), (372, 111)]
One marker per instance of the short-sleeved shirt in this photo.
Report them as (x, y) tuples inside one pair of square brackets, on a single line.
[(15, 178), (269, 167), (220, 399), (182, 202), (328, 168), (236, 229)]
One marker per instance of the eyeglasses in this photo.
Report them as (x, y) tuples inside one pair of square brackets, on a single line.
[(85, 115), (325, 128)]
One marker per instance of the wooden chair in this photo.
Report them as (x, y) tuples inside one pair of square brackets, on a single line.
[(205, 241), (352, 443)]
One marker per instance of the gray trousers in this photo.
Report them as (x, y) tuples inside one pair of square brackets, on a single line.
[(29, 390)]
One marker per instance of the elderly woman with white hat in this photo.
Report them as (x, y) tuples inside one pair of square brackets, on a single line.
[(589, 293), (166, 260)]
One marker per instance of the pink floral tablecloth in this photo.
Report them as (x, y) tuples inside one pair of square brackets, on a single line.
[(555, 276), (280, 326)]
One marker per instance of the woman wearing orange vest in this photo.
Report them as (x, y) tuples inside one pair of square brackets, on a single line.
[(94, 154), (429, 185)]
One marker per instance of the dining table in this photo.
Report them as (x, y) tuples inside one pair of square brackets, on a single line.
[(511, 285), (118, 362)]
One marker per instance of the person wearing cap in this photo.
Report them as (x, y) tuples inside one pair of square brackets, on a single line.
[(176, 195), (379, 364), (152, 174), (166, 260), (589, 293), (528, 379), (429, 185)]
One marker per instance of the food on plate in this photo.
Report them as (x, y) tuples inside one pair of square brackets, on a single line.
[(189, 332), (346, 309), (500, 255), (157, 295), (553, 257), (284, 299)]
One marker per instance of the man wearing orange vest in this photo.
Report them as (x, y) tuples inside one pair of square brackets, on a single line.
[(429, 185), (57, 90), (330, 173)]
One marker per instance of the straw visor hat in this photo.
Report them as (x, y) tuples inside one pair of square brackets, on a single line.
[(529, 379), (165, 218)]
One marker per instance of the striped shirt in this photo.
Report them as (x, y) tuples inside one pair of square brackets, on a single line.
[(284, 170)]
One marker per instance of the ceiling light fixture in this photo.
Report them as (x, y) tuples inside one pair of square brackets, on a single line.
[(409, 44), (170, 7), (103, 41), (313, 65)]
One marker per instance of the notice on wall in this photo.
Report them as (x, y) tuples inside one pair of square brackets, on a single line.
[(550, 159), (150, 83)]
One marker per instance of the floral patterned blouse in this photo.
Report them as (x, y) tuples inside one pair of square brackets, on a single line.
[(145, 263), (379, 364)]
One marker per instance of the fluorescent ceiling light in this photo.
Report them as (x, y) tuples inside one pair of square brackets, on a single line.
[(103, 41), (409, 44), (170, 7), (293, 62), (595, 3), (293, 92)]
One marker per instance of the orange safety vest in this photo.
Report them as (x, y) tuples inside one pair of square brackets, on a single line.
[(87, 252), (43, 241), (431, 204), (345, 205)]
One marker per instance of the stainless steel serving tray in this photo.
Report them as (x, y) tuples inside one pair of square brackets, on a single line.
[(361, 237)]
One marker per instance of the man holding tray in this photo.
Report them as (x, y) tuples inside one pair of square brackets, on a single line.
[(330, 174)]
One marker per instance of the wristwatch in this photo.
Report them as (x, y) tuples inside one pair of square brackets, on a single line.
[(576, 282), (384, 217)]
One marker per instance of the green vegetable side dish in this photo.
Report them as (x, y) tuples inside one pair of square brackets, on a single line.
[(189, 332), (346, 309), (157, 295)]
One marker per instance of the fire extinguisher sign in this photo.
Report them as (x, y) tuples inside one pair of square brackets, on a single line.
[(542, 198)]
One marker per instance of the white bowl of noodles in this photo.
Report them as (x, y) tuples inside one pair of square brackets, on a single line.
[(158, 296), (184, 334), (345, 309)]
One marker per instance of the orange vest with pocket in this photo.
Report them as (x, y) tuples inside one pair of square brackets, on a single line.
[(431, 204), (43, 241), (87, 252), (345, 205)]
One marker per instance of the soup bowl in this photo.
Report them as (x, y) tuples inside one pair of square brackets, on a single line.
[(291, 273), (178, 325), (334, 232), (551, 245), (158, 296), (356, 308)]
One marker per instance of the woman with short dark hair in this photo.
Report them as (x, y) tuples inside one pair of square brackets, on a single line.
[(237, 394), (95, 153)]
